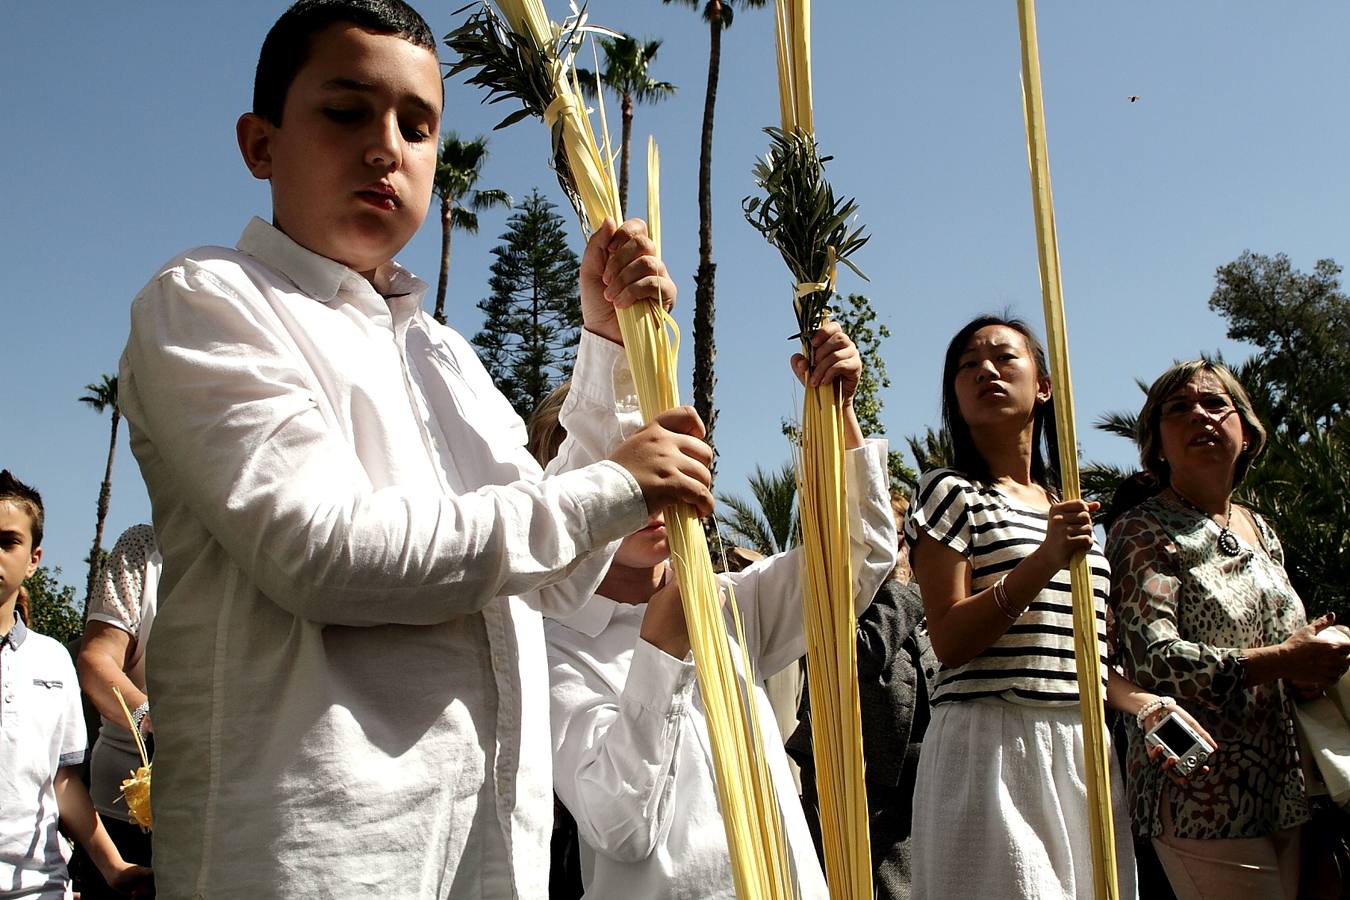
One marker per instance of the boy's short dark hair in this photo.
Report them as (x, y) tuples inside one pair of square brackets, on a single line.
[(12, 490), (286, 47)]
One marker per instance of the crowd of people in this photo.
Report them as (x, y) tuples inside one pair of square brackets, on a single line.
[(377, 595)]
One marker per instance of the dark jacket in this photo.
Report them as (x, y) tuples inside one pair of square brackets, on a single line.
[(895, 666)]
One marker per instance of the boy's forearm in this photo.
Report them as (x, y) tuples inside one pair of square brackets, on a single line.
[(82, 823)]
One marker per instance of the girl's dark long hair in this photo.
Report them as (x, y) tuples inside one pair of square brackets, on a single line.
[(966, 457)]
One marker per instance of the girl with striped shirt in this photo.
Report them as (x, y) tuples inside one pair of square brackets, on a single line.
[(1000, 809)]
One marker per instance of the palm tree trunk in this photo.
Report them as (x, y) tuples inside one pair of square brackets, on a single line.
[(104, 496), (439, 313), (705, 349), (626, 106)]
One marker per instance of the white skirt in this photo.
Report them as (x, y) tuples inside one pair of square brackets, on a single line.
[(1000, 807)]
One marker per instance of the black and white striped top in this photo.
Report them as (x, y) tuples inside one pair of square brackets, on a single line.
[(1033, 662)]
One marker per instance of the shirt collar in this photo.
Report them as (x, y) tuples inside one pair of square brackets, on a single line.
[(17, 633), (315, 275), (593, 617)]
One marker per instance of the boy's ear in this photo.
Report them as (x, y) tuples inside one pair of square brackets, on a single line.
[(33, 562), (254, 134)]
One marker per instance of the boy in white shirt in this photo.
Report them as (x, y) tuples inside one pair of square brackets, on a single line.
[(631, 753), (347, 689), (42, 734)]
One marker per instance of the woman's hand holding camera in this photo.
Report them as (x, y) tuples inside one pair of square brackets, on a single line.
[(1158, 752)]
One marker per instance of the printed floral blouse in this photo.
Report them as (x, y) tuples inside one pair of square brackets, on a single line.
[(1184, 611)]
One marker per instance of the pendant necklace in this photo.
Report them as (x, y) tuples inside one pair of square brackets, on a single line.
[(1228, 542)]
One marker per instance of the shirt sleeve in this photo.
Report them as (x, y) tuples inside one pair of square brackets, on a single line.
[(769, 593), (600, 411), (74, 741), (1145, 591), (221, 406), (890, 619), (121, 581), (614, 757), (938, 509)]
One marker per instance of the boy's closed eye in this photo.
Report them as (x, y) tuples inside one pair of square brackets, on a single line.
[(413, 132), (344, 116)]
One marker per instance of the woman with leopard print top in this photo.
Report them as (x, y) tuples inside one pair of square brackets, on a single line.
[(1205, 613)]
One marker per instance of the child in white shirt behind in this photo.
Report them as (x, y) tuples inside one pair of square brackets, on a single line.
[(631, 752)]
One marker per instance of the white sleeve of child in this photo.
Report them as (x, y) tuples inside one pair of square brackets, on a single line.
[(769, 593), (614, 758), (73, 740), (220, 407), (600, 411)]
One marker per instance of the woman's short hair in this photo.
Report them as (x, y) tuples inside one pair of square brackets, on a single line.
[(544, 433), (966, 456), (1148, 429)]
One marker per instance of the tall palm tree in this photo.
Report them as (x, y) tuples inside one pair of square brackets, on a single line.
[(718, 15), (772, 527), (102, 396), (626, 64), (457, 172)]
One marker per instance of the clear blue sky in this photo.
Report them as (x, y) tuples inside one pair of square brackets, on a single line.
[(122, 154)]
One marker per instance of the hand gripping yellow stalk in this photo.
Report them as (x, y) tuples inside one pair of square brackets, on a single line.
[(1086, 651)]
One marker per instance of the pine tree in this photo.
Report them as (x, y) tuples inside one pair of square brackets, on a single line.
[(532, 320)]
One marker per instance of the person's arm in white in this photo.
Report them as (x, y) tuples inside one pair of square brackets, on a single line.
[(615, 754), (213, 380), (769, 593)]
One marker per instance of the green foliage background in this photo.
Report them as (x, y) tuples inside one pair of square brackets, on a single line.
[(51, 606)]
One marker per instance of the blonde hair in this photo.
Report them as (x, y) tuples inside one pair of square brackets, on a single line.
[(1148, 429), (901, 571), (544, 433)]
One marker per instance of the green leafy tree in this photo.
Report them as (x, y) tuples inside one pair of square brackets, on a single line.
[(626, 74), (532, 319), (767, 522), (718, 14), (458, 168), (51, 605), (1301, 485), (102, 397), (1301, 323)]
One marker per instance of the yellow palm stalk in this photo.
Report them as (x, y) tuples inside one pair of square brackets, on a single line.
[(528, 66), (136, 789), (811, 244), (1086, 651)]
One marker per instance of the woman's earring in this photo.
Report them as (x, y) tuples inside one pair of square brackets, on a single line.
[(1244, 446)]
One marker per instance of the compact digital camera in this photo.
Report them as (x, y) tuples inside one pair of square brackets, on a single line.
[(1180, 740)]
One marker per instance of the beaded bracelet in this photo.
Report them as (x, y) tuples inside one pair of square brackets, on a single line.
[(139, 713), (1003, 601), (1150, 708)]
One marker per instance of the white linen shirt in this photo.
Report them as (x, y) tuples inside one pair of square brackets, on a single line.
[(41, 729), (344, 679), (631, 754)]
